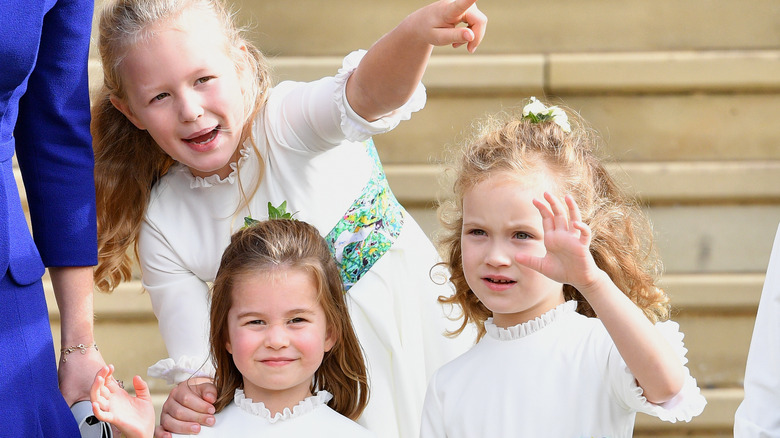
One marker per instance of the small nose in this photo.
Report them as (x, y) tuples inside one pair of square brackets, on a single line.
[(276, 337), (497, 255), (190, 108)]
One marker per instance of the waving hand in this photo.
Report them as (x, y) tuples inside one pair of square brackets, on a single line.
[(567, 239)]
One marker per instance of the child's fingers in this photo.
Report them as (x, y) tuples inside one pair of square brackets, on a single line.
[(110, 382), (95, 391), (159, 432), (559, 214), (574, 209), (98, 382), (100, 413), (548, 223), (529, 261), (110, 371), (585, 233), (576, 220), (457, 10), (141, 389), (477, 22), (466, 11), (452, 36)]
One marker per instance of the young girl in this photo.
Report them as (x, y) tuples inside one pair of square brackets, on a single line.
[(288, 362), (190, 138), (539, 241)]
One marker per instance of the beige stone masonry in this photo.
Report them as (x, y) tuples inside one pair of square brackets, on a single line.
[(665, 72), (652, 182)]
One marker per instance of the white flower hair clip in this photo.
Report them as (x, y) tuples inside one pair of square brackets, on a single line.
[(536, 112)]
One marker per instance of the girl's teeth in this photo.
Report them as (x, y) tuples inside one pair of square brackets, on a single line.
[(205, 138)]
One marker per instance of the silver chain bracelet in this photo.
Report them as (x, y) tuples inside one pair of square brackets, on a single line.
[(80, 347)]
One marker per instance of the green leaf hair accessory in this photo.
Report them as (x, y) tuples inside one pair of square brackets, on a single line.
[(279, 212), (248, 221), (536, 112)]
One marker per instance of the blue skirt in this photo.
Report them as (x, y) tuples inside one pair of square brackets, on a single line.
[(31, 404)]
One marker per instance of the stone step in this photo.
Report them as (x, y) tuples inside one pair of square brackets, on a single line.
[(635, 128), (567, 73), (653, 183), (522, 27)]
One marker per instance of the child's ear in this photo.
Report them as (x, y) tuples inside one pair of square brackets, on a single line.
[(124, 108), (244, 63), (229, 347), (330, 339)]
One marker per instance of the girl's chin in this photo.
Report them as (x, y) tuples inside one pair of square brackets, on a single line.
[(205, 172)]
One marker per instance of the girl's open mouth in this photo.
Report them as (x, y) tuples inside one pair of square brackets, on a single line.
[(498, 281), (205, 138)]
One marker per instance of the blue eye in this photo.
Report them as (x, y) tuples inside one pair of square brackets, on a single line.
[(477, 232), (521, 235)]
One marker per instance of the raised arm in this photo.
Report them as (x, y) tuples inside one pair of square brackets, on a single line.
[(392, 68), (648, 355)]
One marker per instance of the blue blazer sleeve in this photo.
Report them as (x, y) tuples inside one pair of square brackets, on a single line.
[(53, 143)]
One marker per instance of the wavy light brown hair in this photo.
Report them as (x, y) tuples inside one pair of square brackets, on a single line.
[(622, 236), (290, 244), (128, 162)]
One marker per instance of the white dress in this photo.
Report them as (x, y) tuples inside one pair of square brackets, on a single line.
[(308, 163), (559, 375), (312, 417), (758, 416)]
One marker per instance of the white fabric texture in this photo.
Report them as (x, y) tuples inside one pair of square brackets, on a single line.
[(559, 375), (306, 161), (311, 417), (758, 416)]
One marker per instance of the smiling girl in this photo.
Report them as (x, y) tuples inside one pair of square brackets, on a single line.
[(287, 360), (550, 262)]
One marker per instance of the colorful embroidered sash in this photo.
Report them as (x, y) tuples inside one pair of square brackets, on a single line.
[(369, 227)]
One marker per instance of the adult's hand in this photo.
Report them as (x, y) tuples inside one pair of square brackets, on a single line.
[(189, 406)]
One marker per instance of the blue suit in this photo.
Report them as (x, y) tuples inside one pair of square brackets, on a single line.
[(44, 119)]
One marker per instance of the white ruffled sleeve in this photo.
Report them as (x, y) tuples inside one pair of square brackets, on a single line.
[(356, 128), (688, 403), (175, 371)]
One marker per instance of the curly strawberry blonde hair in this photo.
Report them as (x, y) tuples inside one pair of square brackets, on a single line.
[(622, 234)]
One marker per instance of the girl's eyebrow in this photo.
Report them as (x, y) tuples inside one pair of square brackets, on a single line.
[(253, 313), (299, 311)]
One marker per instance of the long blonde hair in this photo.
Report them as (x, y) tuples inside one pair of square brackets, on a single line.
[(290, 244), (622, 235), (128, 162)]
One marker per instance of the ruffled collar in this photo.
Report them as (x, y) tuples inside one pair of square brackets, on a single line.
[(305, 406), (213, 180), (529, 327)]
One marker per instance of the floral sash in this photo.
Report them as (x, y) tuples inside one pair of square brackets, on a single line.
[(369, 227)]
